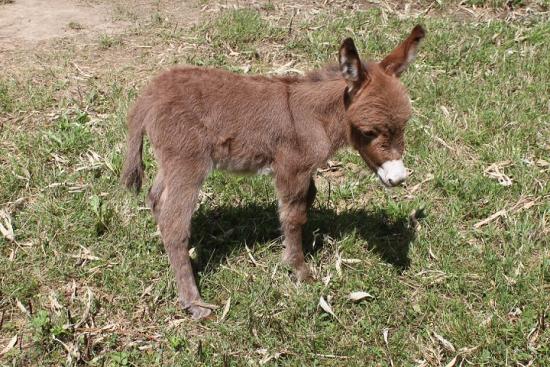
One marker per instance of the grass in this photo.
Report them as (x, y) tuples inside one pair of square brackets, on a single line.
[(86, 280), (75, 26), (240, 28), (107, 41)]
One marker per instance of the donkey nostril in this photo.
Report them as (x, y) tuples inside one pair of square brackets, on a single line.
[(390, 181)]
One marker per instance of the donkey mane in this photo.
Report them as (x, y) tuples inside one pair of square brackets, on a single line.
[(326, 73)]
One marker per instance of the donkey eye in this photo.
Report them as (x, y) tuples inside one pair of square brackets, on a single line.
[(369, 134)]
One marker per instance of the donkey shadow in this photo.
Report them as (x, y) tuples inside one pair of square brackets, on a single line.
[(218, 232)]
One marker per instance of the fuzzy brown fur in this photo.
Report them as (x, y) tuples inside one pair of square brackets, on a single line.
[(200, 119)]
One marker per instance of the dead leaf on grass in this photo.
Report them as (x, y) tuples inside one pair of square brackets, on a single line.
[(54, 303), (338, 264), (5, 226), (192, 252), (432, 255), (494, 171), (452, 362), (326, 307), (225, 310), (84, 254), (385, 333), (10, 345), (359, 296), (72, 351), (466, 351), (351, 261), (447, 345), (22, 308), (147, 291), (268, 357), (326, 279)]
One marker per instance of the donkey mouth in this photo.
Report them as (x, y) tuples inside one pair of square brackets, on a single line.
[(392, 173)]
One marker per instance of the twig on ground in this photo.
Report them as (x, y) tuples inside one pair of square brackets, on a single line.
[(522, 204)]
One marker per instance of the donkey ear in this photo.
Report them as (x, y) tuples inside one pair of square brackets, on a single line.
[(396, 62), (351, 66)]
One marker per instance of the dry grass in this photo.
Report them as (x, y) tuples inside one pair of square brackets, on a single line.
[(456, 263)]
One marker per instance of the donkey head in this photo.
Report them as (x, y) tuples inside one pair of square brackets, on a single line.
[(378, 106)]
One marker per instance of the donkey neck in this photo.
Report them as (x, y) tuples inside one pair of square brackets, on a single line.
[(322, 102)]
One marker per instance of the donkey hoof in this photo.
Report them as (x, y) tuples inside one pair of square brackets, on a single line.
[(303, 274), (199, 313)]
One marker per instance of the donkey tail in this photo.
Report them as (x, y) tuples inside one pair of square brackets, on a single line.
[(132, 171)]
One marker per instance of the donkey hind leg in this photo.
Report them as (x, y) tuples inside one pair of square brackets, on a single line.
[(294, 201), (178, 200), (154, 198)]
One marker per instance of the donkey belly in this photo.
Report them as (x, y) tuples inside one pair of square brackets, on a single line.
[(242, 150), (244, 167)]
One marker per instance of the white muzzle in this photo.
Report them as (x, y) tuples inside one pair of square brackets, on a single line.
[(392, 173)]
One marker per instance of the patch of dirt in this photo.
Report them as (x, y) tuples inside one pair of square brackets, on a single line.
[(26, 22)]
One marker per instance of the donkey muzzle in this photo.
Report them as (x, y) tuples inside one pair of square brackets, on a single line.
[(392, 173)]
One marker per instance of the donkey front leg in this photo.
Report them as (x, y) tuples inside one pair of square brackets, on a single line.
[(295, 196), (178, 202)]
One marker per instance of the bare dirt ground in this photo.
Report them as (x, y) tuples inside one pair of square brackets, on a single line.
[(30, 21), (26, 23)]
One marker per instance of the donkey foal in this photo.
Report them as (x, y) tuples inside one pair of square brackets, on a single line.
[(202, 119)]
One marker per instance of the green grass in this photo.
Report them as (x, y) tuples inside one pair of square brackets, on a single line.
[(239, 28), (89, 268), (107, 41)]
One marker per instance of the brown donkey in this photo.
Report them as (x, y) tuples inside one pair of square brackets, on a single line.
[(199, 119)]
